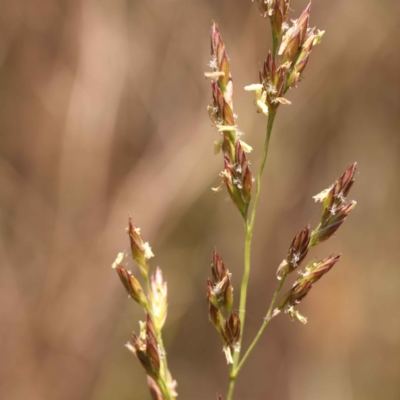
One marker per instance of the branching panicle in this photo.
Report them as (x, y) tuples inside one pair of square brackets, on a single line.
[(284, 66), (148, 345), (282, 70)]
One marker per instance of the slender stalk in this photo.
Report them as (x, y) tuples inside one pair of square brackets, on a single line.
[(244, 285), (267, 319), (242, 307), (249, 230), (163, 387), (232, 382), (270, 124), (249, 226), (168, 396)]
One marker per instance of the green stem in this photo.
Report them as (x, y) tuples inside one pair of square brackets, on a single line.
[(267, 319), (232, 382), (163, 387), (249, 226), (270, 124)]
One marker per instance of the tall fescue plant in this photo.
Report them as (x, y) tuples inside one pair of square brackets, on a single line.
[(282, 70)]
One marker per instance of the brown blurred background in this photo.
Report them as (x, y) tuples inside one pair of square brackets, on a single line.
[(103, 113)]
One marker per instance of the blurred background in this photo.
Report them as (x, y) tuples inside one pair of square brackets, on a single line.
[(103, 114)]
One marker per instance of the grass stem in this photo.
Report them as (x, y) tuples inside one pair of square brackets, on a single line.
[(249, 226)]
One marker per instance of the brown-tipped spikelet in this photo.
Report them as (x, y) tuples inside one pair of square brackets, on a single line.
[(141, 252), (220, 301), (335, 210), (218, 269), (279, 17), (131, 284), (295, 37), (336, 194), (304, 284), (220, 290), (222, 116), (296, 254), (220, 63), (242, 174), (233, 186), (146, 348), (232, 331), (238, 179), (301, 59), (331, 222)]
